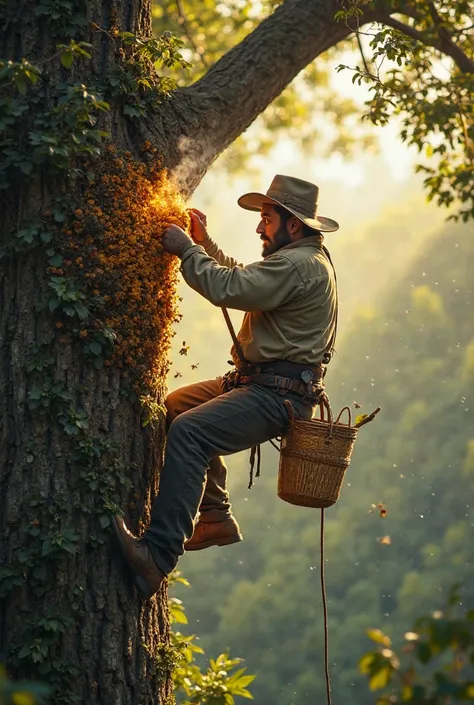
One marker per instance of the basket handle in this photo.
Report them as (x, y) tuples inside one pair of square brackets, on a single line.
[(324, 403), (345, 408)]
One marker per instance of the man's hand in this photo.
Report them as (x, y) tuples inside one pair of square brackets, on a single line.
[(198, 225), (175, 240)]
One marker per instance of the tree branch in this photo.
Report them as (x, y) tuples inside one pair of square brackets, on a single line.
[(444, 44), (215, 110), (200, 121), (361, 51), (187, 29)]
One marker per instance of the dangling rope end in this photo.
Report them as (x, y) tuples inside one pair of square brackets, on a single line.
[(255, 452), (325, 614)]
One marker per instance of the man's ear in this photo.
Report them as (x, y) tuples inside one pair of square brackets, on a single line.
[(294, 224)]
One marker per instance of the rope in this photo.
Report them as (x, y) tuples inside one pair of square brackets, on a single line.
[(325, 612), (237, 345), (254, 451)]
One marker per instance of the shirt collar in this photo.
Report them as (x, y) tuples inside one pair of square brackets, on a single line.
[(316, 240)]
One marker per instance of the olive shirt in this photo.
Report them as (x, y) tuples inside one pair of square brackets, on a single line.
[(289, 298)]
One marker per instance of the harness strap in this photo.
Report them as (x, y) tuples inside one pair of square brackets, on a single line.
[(285, 383), (234, 337)]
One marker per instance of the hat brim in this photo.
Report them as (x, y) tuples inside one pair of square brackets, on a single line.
[(255, 201)]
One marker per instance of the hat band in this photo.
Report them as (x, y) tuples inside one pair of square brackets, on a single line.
[(292, 201)]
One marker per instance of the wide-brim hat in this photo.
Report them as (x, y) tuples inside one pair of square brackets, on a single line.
[(297, 196)]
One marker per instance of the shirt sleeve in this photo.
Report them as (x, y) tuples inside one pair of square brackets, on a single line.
[(213, 251), (262, 286)]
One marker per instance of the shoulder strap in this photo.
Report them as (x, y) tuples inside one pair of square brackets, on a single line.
[(331, 349), (233, 336)]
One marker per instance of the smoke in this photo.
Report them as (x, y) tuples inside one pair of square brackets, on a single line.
[(195, 157)]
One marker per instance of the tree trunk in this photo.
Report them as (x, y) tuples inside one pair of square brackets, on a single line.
[(69, 615)]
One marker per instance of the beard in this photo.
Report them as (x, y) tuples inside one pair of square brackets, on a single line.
[(281, 239)]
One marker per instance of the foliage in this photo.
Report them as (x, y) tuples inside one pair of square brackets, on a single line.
[(59, 123), (49, 138), (217, 685), (140, 80), (435, 664), (422, 70)]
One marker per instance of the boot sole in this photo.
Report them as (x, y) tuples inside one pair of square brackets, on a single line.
[(138, 581), (216, 542)]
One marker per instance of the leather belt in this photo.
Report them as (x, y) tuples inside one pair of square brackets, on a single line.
[(284, 368), (283, 383)]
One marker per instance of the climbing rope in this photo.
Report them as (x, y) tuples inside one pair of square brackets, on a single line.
[(325, 613), (255, 455)]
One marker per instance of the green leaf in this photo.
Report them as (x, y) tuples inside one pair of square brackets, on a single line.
[(26, 167), (365, 663), (46, 236), (95, 347), (380, 678), (21, 84), (81, 310), (24, 651), (379, 637), (47, 547), (56, 260), (131, 111), (67, 59)]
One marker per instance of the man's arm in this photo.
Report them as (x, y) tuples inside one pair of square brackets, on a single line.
[(262, 286)]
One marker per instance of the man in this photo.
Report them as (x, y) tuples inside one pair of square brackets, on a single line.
[(285, 340)]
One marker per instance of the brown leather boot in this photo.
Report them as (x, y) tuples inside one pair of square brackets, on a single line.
[(214, 533), (146, 574)]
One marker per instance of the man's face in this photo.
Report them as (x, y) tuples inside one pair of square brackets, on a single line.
[(273, 233)]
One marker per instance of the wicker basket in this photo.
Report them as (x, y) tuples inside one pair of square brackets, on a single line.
[(314, 457)]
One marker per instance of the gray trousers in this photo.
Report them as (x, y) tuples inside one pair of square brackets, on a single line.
[(204, 425)]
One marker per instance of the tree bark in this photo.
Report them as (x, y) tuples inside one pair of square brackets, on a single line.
[(108, 639), (69, 614)]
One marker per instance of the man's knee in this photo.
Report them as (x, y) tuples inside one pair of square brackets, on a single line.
[(181, 431)]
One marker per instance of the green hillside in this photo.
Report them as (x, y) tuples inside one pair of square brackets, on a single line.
[(411, 352)]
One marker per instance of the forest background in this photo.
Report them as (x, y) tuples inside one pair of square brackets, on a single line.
[(406, 343)]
